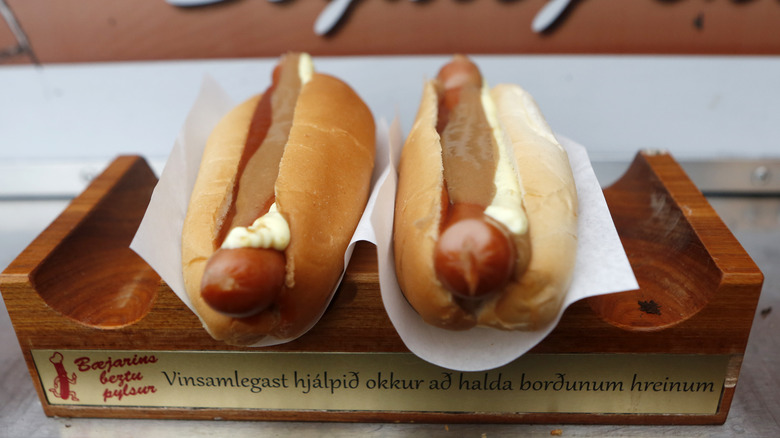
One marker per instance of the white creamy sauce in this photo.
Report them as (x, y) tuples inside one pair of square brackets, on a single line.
[(270, 230), (507, 204), (305, 68)]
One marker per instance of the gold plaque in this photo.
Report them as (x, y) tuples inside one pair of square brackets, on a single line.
[(536, 383)]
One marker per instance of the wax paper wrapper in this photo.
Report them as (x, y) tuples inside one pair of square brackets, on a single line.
[(601, 267), (158, 239)]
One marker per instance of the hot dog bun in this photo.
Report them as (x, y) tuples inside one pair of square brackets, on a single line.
[(321, 190), (535, 292), (551, 205)]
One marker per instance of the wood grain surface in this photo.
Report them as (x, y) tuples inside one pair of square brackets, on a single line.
[(667, 227), (115, 30)]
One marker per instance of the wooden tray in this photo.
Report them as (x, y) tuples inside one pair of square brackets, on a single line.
[(79, 299)]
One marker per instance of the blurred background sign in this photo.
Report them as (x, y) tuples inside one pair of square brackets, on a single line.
[(82, 81), (113, 30)]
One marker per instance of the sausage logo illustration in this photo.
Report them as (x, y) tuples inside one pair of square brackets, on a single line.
[(62, 382)]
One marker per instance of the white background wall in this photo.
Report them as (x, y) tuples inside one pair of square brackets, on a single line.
[(59, 124)]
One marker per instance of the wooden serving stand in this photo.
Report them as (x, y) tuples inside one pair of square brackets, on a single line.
[(79, 287)]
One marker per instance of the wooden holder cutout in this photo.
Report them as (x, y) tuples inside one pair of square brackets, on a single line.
[(79, 286)]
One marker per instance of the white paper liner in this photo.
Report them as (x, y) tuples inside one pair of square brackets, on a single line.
[(601, 267), (158, 238)]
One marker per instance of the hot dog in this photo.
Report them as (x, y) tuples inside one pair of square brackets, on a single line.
[(282, 184), (485, 230)]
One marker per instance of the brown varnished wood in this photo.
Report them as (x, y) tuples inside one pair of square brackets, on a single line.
[(685, 259), (384, 417), (99, 30), (91, 275), (81, 266), (687, 262)]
